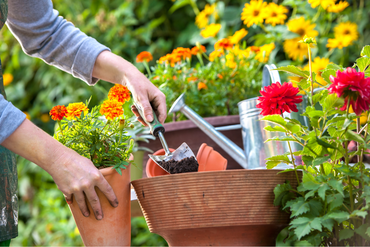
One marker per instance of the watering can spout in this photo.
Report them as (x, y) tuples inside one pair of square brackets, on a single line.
[(225, 143)]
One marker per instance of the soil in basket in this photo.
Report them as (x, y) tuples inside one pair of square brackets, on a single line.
[(189, 164)]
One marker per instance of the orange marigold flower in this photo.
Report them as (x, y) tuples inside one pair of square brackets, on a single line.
[(202, 85), (58, 112), (182, 52), (192, 78), (220, 76), (144, 56), (119, 93), (7, 79), (75, 110), (223, 44), (215, 54), (111, 109), (195, 50), (164, 59)]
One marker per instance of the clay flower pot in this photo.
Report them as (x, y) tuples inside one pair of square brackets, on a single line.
[(115, 228), (222, 208), (208, 160)]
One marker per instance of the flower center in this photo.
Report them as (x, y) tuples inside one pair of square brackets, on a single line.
[(273, 14), (256, 12), (346, 32), (301, 31)]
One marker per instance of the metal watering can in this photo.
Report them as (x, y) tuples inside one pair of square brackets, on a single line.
[(256, 150)]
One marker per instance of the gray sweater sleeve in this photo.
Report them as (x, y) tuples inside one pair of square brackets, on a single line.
[(44, 34)]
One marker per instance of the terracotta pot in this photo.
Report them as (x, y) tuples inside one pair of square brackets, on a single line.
[(115, 228), (186, 131), (222, 208), (208, 160)]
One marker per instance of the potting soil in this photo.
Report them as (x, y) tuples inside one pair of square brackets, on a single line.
[(189, 164)]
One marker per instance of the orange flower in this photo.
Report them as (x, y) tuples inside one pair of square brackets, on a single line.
[(182, 52), (202, 85), (27, 115), (119, 93), (164, 59), (75, 110), (195, 50), (220, 76), (7, 79), (144, 56), (111, 109), (58, 112), (215, 54), (192, 78), (223, 44)]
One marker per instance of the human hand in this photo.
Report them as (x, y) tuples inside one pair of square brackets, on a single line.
[(77, 177)]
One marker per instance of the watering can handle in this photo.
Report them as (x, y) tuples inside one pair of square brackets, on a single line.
[(270, 72)]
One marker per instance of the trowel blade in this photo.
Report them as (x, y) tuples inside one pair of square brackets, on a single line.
[(182, 152)]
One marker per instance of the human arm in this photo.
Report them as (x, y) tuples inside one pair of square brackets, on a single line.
[(75, 175)]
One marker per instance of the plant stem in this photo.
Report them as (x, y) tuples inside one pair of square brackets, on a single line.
[(291, 154), (310, 65), (147, 68), (60, 127), (349, 179), (195, 7)]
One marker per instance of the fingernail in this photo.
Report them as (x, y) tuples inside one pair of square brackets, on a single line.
[(86, 214), (99, 217), (149, 118)]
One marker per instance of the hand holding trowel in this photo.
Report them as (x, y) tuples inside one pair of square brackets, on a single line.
[(171, 162)]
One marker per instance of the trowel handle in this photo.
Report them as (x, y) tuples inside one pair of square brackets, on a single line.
[(155, 126)]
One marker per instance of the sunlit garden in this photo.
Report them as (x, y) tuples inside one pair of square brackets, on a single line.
[(215, 52)]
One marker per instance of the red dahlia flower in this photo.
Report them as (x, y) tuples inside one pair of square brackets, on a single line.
[(353, 87), (277, 99)]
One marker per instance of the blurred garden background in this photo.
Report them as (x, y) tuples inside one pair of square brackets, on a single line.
[(236, 39)]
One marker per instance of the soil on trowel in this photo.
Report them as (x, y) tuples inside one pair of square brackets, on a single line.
[(189, 164)]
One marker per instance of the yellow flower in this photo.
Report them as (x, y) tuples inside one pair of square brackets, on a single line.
[(215, 54), (210, 30), (241, 54), (339, 42), (202, 85), (111, 109), (230, 61), (324, 3), (302, 27), (295, 49), (339, 7), (74, 110), (348, 29), (201, 20), (318, 64), (27, 115), (264, 53), (45, 118), (238, 35), (275, 14), (253, 13), (7, 79), (363, 118)]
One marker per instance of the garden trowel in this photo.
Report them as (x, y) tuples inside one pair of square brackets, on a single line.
[(157, 130)]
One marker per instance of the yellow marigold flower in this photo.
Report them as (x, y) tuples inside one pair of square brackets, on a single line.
[(202, 85), (241, 54), (120, 93), (27, 115), (339, 42), (230, 61), (215, 54), (348, 29), (238, 35), (324, 3), (223, 44), (275, 14), (7, 79), (182, 52), (111, 109), (264, 53), (253, 13), (210, 30), (295, 49), (339, 7), (45, 118), (74, 110), (201, 20), (302, 27), (144, 56)]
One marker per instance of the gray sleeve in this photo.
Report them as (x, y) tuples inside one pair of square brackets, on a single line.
[(10, 118), (44, 34)]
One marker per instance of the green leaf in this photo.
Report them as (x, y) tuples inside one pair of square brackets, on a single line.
[(178, 4), (362, 63), (330, 102), (334, 201), (281, 138), (299, 221), (328, 224), (322, 191), (327, 168), (335, 184), (315, 207), (350, 135), (278, 119), (299, 207), (333, 66), (365, 51), (325, 144), (339, 216), (295, 71), (276, 160), (345, 234), (360, 213), (327, 73), (280, 191), (320, 160), (275, 128), (308, 178), (302, 230), (316, 224), (361, 230)]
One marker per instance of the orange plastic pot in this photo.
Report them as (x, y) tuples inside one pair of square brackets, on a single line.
[(208, 160), (115, 228)]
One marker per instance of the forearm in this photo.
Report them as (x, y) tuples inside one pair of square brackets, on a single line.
[(34, 144)]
